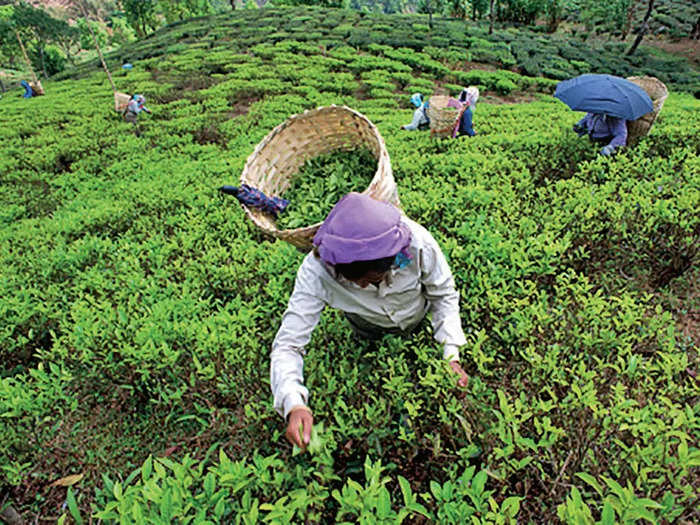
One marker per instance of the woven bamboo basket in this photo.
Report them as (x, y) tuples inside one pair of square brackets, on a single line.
[(37, 88), (278, 157), (658, 92), (121, 100), (442, 118)]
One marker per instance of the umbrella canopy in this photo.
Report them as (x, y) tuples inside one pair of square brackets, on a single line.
[(606, 94)]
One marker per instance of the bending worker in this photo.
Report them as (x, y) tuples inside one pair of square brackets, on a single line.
[(420, 115), (28, 90), (137, 104), (603, 129), (385, 272)]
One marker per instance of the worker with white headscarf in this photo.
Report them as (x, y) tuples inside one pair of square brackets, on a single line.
[(468, 98)]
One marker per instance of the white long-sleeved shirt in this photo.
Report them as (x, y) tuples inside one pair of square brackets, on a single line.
[(420, 117), (401, 300)]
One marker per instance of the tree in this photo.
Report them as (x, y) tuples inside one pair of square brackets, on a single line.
[(555, 11), (121, 32), (67, 38), (642, 30), (695, 33), (319, 3), (35, 24), (521, 11), (9, 47), (492, 16), (479, 8), (627, 26), (86, 28), (611, 16), (140, 14), (457, 8), (430, 7), (174, 10)]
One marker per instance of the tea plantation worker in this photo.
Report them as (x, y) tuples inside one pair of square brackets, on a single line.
[(468, 98), (28, 91), (420, 115), (603, 128), (385, 272), (137, 103)]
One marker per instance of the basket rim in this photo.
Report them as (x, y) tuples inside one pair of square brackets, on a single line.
[(296, 233)]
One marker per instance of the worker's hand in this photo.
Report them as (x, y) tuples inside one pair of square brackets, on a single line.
[(607, 150), (463, 377), (299, 427)]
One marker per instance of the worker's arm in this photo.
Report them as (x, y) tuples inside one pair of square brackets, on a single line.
[(443, 297), (287, 358), (418, 117), (581, 127), (618, 129)]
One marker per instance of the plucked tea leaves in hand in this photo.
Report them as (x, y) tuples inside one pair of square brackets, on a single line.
[(321, 182), (315, 443)]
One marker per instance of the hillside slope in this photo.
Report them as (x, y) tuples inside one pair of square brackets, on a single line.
[(138, 305), (455, 44)]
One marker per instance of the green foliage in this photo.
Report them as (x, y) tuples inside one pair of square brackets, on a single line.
[(321, 182), (49, 59), (381, 42), (140, 14), (138, 305), (37, 27)]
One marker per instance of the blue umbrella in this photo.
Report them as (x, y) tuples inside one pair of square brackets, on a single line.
[(127, 66), (606, 94)]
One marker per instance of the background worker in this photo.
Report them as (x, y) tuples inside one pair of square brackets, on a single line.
[(467, 98), (28, 90), (420, 115), (137, 104), (603, 129), (385, 272)]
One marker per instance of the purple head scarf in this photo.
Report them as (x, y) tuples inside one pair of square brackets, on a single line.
[(360, 228)]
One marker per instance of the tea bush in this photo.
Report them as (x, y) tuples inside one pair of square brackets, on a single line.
[(138, 305), (522, 49)]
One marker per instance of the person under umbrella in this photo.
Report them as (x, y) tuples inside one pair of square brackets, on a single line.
[(420, 115), (602, 128), (609, 102), (385, 272)]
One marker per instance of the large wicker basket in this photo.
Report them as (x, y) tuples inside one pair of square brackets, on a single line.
[(121, 100), (278, 157), (37, 88), (658, 92), (443, 119)]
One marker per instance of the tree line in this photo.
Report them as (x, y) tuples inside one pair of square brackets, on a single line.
[(53, 38)]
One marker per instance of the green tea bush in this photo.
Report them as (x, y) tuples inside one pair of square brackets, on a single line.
[(138, 304)]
